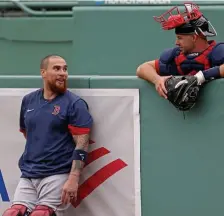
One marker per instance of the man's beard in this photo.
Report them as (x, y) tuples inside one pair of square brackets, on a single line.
[(58, 89)]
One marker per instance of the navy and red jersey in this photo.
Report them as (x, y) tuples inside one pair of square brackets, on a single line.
[(49, 126), (174, 62)]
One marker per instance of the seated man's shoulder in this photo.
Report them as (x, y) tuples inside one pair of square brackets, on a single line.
[(74, 98), (33, 94), (71, 95)]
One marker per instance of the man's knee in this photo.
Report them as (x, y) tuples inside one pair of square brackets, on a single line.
[(16, 210), (42, 210)]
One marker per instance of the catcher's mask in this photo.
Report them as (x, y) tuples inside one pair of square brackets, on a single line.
[(191, 21)]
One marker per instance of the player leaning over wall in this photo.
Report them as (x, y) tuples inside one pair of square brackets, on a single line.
[(196, 58)]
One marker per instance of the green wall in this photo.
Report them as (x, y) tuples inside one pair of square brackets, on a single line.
[(95, 40), (115, 40), (25, 41), (181, 159)]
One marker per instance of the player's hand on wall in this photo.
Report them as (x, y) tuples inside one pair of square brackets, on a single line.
[(160, 86), (69, 191)]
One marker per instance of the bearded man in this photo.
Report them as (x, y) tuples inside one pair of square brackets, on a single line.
[(56, 125)]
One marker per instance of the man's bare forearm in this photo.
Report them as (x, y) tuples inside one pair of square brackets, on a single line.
[(147, 72), (221, 68), (82, 143)]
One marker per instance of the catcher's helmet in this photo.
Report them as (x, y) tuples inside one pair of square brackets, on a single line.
[(191, 21)]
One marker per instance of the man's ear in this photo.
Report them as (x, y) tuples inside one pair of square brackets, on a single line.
[(43, 73), (195, 37)]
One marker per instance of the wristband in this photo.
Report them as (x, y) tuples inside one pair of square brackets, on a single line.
[(79, 154), (211, 73)]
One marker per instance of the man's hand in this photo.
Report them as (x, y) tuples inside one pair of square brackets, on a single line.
[(200, 77), (70, 189), (160, 85)]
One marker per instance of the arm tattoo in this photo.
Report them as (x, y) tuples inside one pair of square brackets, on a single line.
[(82, 142)]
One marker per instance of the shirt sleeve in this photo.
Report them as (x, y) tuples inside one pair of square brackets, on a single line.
[(79, 118), (21, 118)]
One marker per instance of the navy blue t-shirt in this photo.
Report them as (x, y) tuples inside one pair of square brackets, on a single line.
[(49, 126)]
